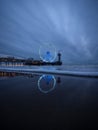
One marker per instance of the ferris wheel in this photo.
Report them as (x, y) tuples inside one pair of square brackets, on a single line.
[(47, 52)]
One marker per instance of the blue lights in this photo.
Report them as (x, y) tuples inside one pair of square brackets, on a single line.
[(48, 56), (46, 83), (47, 52)]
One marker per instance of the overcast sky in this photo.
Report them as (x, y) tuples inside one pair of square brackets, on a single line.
[(70, 25)]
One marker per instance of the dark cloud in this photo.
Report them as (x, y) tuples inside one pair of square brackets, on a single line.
[(71, 26)]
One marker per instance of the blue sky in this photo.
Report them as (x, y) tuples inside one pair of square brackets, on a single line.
[(70, 25)]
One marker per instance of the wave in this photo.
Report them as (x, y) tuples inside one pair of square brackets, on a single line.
[(78, 71)]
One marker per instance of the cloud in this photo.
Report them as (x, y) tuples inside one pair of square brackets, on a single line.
[(69, 26)]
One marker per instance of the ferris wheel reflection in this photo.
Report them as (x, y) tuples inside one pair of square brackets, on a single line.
[(46, 83)]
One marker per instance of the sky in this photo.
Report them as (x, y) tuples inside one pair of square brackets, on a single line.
[(71, 26)]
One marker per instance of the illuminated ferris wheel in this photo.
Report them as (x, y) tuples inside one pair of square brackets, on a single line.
[(47, 52)]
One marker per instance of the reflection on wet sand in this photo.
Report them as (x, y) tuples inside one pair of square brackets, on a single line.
[(13, 74), (46, 83), (60, 100)]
